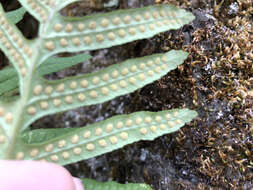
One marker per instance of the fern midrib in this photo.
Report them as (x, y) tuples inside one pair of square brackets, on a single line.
[(22, 103), (25, 91)]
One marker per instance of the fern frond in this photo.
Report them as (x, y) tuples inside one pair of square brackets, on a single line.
[(98, 31), (40, 9), (16, 15), (9, 77), (48, 97), (14, 45), (105, 136)]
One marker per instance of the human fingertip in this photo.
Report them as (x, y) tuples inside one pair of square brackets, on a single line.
[(78, 184)]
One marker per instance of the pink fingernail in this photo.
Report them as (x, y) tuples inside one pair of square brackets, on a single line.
[(78, 184)]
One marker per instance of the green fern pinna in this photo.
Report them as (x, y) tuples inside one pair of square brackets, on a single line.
[(31, 59)]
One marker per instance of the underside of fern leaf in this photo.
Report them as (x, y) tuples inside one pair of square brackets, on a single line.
[(83, 143), (49, 97), (39, 97)]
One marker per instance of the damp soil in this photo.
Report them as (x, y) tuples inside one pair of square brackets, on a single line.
[(215, 151)]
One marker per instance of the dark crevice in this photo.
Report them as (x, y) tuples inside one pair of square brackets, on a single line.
[(29, 26)]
